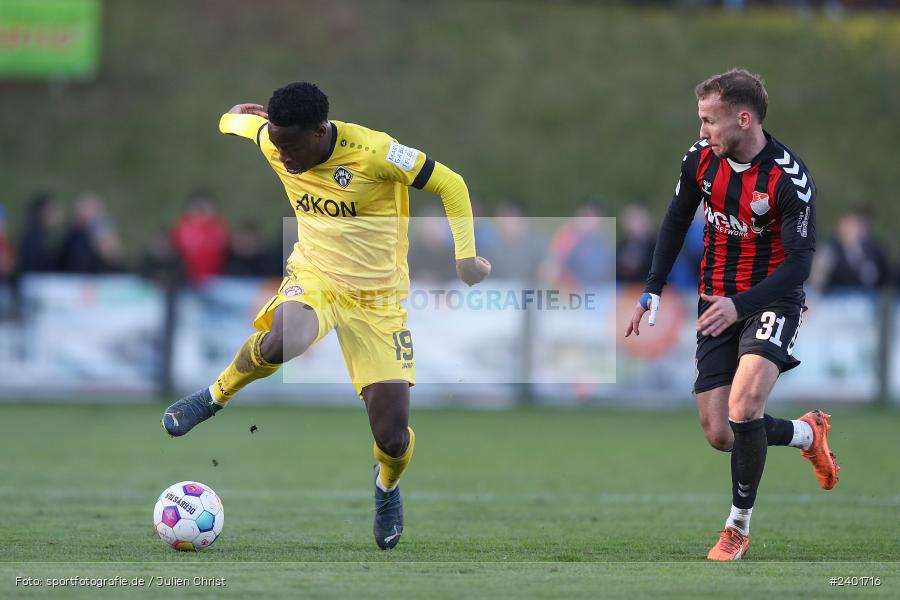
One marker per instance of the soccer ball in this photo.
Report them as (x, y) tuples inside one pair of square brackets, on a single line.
[(189, 516)]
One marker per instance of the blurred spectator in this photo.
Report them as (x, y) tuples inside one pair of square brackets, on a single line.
[(519, 247), (280, 247), (853, 259), (7, 254), (160, 262), (581, 253), (246, 255), (91, 244), (276, 257), (686, 270), (635, 248), (161, 265), (200, 237), (431, 257), (38, 252), (8, 304)]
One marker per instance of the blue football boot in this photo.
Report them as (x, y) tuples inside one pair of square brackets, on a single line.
[(388, 515), (188, 412)]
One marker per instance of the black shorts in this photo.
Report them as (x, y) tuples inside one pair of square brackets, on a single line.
[(771, 333)]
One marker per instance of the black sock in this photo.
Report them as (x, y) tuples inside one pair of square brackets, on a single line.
[(779, 432), (748, 458)]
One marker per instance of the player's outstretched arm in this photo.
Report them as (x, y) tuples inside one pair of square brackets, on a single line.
[(245, 120), (648, 302), (451, 187), (670, 239), (248, 108)]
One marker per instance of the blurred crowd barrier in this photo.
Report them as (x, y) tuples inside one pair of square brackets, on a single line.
[(119, 338), (843, 342)]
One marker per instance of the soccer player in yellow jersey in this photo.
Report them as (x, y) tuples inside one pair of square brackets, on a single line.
[(348, 186)]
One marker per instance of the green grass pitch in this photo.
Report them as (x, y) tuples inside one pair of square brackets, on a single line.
[(527, 503)]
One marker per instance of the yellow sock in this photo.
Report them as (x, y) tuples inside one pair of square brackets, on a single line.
[(392, 467), (248, 365)]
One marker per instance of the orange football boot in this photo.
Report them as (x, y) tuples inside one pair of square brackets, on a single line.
[(732, 545), (822, 459)]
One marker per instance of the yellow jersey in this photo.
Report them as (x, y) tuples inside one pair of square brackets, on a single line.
[(353, 208)]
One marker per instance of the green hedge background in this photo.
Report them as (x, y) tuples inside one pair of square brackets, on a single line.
[(551, 102)]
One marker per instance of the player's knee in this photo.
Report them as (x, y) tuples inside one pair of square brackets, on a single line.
[(718, 435), (275, 349), (720, 440), (746, 405), (272, 347), (747, 408), (393, 440), (283, 342)]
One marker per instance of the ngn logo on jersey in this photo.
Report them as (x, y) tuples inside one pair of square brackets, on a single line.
[(733, 226)]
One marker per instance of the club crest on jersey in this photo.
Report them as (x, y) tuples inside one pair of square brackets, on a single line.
[(342, 176), (293, 290), (760, 203)]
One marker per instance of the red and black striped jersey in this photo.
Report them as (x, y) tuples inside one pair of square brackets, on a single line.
[(760, 230)]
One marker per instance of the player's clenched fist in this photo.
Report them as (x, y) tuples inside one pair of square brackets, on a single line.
[(473, 270), (249, 109)]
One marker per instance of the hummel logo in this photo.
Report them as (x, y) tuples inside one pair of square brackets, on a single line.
[(706, 187), (743, 490)]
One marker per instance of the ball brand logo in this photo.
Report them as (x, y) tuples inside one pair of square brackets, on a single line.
[(182, 503), (294, 290), (325, 206), (342, 176)]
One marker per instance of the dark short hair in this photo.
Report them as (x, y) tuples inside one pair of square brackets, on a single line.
[(299, 104), (737, 87)]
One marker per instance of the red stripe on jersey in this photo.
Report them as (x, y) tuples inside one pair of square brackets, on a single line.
[(777, 256), (705, 156), (717, 203), (744, 273), (708, 233)]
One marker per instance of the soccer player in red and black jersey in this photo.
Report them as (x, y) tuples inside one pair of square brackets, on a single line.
[(759, 201)]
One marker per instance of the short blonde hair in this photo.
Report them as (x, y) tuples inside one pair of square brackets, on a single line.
[(737, 87)]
